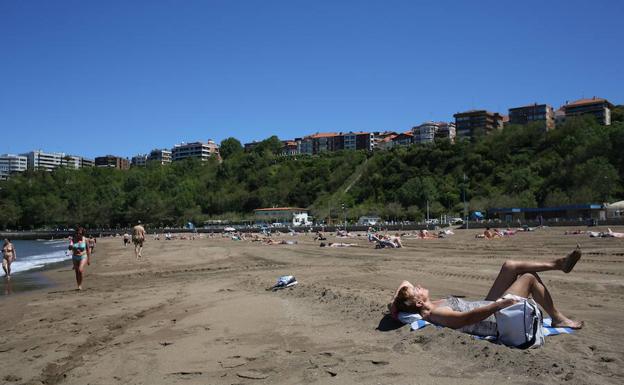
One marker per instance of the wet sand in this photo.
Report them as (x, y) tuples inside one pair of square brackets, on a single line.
[(196, 312)]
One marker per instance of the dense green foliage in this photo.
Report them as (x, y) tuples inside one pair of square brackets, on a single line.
[(580, 162)]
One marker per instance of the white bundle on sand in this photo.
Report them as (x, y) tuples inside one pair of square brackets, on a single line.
[(283, 282)]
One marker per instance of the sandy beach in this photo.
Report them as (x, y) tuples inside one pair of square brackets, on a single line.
[(197, 312)]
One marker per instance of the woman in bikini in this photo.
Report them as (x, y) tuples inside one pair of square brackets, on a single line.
[(515, 281), (79, 247), (8, 256)]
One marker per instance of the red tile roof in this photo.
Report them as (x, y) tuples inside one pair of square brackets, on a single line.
[(581, 102), (323, 135)]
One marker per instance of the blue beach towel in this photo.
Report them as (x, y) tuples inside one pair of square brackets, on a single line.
[(416, 322)]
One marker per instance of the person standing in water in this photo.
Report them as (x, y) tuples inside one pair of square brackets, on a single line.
[(138, 238), (8, 256)]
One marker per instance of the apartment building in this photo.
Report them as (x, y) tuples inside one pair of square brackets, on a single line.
[(161, 156), (383, 139), (323, 142), (11, 164), (446, 130), (198, 150), (357, 141), (48, 161), (559, 117), (542, 113), (425, 133), (250, 146), (84, 162), (290, 147), (305, 146), (598, 107), (475, 123), (112, 161), (139, 160), (403, 139)]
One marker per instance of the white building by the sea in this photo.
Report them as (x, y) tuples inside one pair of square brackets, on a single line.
[(48, 161), (10, 164)]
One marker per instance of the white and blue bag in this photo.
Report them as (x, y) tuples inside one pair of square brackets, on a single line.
[(520, 325)]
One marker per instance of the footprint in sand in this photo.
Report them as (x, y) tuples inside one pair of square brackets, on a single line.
[(253, 374)]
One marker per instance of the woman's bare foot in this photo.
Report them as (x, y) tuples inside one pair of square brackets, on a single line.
[(568, 263), (565, 322)]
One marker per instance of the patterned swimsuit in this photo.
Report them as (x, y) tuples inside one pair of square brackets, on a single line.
[(486, 327)]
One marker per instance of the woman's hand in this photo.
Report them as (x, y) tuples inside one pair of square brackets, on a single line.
[(505, 302)]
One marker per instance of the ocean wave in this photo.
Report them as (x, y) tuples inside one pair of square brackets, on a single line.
[(38, 261)]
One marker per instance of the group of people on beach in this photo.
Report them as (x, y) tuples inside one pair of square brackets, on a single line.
[(82, 247)]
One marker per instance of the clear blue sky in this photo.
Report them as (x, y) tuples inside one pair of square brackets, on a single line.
[(122, 77)]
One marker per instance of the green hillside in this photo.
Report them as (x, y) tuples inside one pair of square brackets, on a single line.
[(579, 162)]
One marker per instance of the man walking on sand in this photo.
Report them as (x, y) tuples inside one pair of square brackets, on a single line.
[(138, 237)]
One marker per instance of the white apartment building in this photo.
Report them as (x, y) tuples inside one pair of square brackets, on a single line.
[(160, 155), (84, 162), (48, 161), (10, 164), (198, 150), (425, 133), (428, 132)]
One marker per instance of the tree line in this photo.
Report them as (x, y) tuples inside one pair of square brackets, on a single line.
[(521, 166)]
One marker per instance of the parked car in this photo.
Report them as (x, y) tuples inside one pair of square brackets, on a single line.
[(456, 221)]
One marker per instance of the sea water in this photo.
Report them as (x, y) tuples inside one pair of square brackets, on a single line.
[(37, 254)]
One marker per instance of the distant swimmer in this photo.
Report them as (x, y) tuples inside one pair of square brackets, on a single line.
[(79, 248), (8, 256), (138, 238)]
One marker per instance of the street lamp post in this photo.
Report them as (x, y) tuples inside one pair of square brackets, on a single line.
[(465, 207)]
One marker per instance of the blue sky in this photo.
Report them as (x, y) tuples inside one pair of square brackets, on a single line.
[(122, 77)]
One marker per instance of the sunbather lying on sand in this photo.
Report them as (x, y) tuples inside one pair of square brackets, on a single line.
[(518, 278), (270, 241), (385, 241), (424, 234), (612, 234), (337, 244)]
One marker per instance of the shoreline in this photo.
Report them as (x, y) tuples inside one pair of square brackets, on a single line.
[(31, 280)]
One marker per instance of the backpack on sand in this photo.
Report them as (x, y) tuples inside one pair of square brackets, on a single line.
[(520, 325)]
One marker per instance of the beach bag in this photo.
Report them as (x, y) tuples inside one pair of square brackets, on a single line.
[(520, 325), (284, 281)]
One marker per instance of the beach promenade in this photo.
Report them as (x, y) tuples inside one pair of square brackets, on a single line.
[(197, 312)]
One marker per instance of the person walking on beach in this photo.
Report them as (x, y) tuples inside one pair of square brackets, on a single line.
[(8, 256), (138, 237), (79, 247), (515, 281)]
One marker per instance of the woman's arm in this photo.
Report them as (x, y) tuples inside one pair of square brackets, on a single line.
[(454, 319)]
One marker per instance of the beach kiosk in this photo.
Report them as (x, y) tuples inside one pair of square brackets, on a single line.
[(286, 216)]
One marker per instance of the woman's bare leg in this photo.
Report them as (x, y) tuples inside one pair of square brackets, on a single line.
[(79, 268), (511, 269), (530, 284)]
